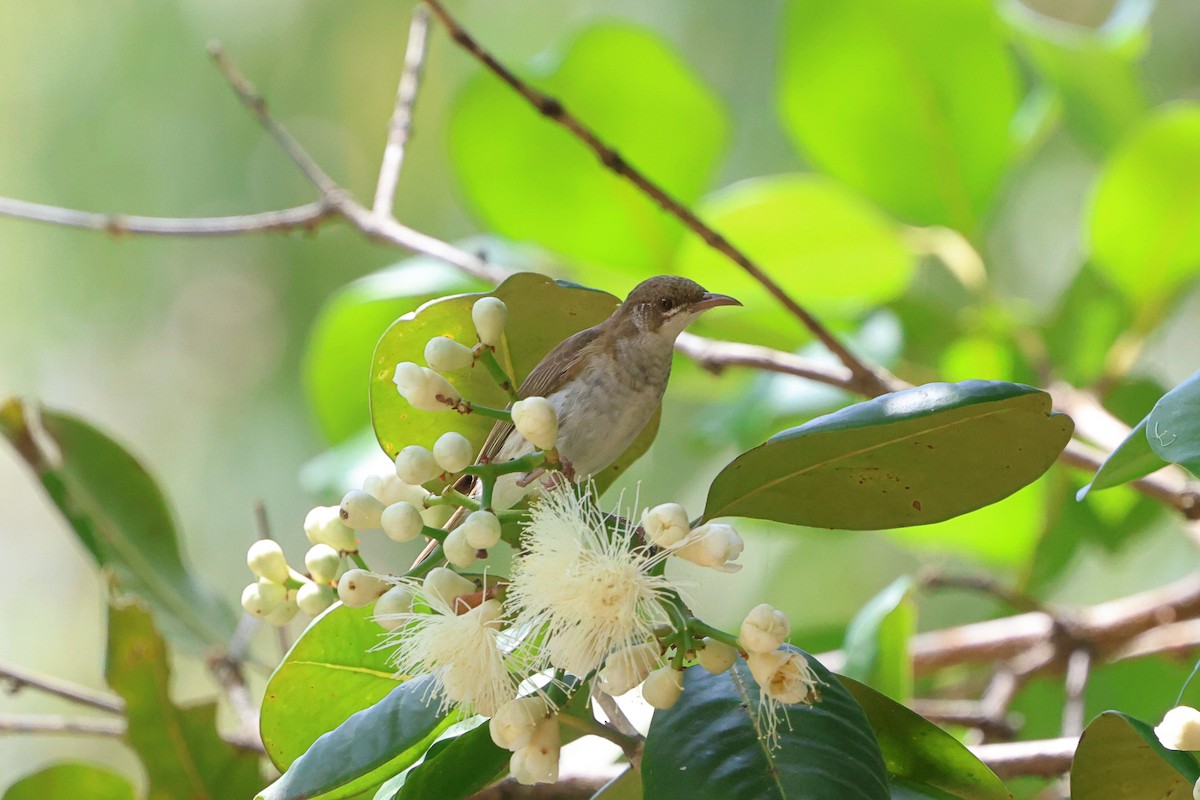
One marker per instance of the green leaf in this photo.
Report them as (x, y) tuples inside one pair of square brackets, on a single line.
[(119, 514), (180, 748), (920, 753), (456, 768), (368, 748), (1144, 222), (626, 786), (1120, 758), (706, 747), (541, 313), (1133, 458), (911, 457), (820, 239), (330, 673), (876, 644), (1173, 427), (910, 103), (70, 781), (529, 179), (1090, 317)]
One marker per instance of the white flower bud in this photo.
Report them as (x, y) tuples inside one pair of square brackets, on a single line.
[(453, 452), (783, 675), (359, 588), (282, 614), (513, 724), (666, 524), (536, 420), (537, 762), (1196, 790), (481, 529), (714, 545), (415, 464), (437, 516), (764, 629), (458, 550), (389, 489), (323, 525), (716, 657), (428, 392), (627, 667), (490, 315), (1180, 729), (392, 605), (409, 378), (360, 510), (266, 560), (446, 355), (313, 598), (663, 687), (446, 585), (262, 597), (402, 522), (322, 563)]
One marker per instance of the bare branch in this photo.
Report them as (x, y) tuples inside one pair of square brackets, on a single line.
[(1079, 666), (18, 679), (228, 674), (59, 724), (1044, 758), (715, 356), (401, 122)]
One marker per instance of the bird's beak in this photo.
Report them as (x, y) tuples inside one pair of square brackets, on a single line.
[(712, 300)]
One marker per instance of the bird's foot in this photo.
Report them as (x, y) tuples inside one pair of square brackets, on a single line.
[(530, 477)]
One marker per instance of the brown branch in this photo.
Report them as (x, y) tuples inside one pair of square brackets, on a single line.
[(400, 125), (967, 713), (1044, 758), (18, 679), (1079, 666), (59, 724), (566, 789)]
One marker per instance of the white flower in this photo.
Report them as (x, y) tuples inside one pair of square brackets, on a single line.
[(628, 667), (714, 545), (312, 598), (1180, 729), (262, 597), (424, 389), (458, 550), (447, 585), (591, 591), (783, 678), (514, 722), (401, 522), (415, 465), (389, 489), (446, 355), (462, 652), (764, 629), (481, 529), (537, 762), (266, 560), (490, 315), (716, 657), (453, 452), (360, 510), (536, 420), (322, 562), (665, 524), (358, 588)]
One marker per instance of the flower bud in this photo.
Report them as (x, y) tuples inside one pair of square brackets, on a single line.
[(716, 657), (415, 465), (389, 489), (446, 584), (437, 516), (665, 524), (322, 563), (402, 522), (446, 355), (408, 377), (262, 597), (536, 420), (266, 560), (513, 724), (453, 452), (537, 762), (481, 529), (360, 510), (426, 391), (282, 614), (764, 629), (490, 315), (663, 687), (714, 545), (324, 525), (458, 550), (627, 667), (783, 675), (392, 606), (359, 588), (1180, 729), (1196, 790), (312, 598)]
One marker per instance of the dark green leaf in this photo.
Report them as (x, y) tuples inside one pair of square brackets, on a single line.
[(180, 748), (907, 458), (876, 644), (626, 786), (1120, 758), (531, 180), (1173, 427), (118, 512), (456, 768), (71, 781), (919, 752), (1132, 459), (706, 746), (910, 103)]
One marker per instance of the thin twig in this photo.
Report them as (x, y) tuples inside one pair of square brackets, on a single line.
[(400, 124), (1044, 758), (229, 676), (1079, 666), (967, 713), (18, 679), (60, 724)]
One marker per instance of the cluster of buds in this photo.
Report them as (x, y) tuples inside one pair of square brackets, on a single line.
[(528, 727), (280, 591), (714, 545)]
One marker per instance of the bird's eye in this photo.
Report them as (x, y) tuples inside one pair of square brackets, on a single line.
[(665, 303)]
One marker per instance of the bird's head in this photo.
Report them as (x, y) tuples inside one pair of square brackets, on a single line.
[(667, 304)]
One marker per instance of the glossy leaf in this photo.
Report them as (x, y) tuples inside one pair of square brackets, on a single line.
[(180, 748), (1133, 458), (70, 781), (1120, 758), (456, 768), (820, 240), (119, 514), (1144, 222), (910, 103), (907, 458), (876, 644), (920, 753), (531, 180), (706, 747), (331, 672), (1173, 427)]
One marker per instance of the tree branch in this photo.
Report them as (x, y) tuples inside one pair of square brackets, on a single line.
[(1044, 758), (18, 679), (59, 724), (400, 125)]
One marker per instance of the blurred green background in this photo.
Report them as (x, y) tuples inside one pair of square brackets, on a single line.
[(191, 351)]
